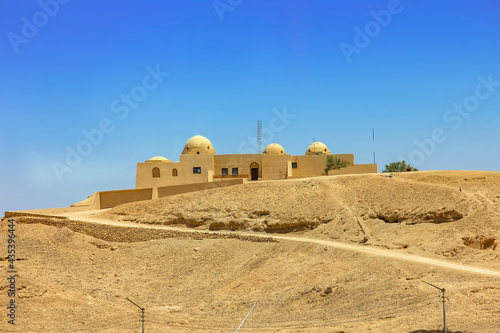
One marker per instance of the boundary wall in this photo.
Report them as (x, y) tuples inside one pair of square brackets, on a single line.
[(109, 199), (355, 169)]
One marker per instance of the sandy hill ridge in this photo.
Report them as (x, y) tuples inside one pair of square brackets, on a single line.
[(436, 212), (196, 282)]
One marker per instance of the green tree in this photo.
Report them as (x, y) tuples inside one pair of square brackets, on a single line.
[(398, 167), (334, 163)]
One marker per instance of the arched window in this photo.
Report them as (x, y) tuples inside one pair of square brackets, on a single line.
[(156, 172), (174, 172)]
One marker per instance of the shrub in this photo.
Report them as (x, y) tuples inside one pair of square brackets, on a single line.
[(334, 163), (398, 167)]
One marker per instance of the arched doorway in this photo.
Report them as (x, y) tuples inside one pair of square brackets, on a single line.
[(254, 171)]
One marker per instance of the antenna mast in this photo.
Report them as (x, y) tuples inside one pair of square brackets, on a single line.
[(259, 135), (373, 138)]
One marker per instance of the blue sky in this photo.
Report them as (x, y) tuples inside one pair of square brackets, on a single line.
[(425, 74)]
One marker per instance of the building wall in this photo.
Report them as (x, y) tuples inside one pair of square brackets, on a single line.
[(172, 190), (349, 158), (271, 167), (110, 199), (308, 165), (275, 166), (185, 175), (240, 161), (355, 169), (188, 162), (144, 178), (314, 165)]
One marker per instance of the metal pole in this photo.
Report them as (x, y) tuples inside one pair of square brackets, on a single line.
[(259, 135), (443, 300), (444, 312), (246, 318), (142, 319), (373, 137), (142, 310)]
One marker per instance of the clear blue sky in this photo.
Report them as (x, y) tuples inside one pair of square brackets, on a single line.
[(340, 68)]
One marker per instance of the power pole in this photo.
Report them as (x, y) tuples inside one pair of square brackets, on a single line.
[(442, 290), (142, 312)]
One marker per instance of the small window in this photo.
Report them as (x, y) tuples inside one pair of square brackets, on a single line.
[(196, 169), (174, 172), (156, 172), (294, 165), (198, 152), (234, 171), (224, 171)]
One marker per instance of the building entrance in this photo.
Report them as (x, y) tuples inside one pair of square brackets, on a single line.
[(254, 171)]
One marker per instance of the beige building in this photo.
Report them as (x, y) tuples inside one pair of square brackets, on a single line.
[(200, 164), (200, 168)]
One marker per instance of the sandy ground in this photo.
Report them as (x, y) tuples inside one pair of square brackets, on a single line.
[(329, 254)]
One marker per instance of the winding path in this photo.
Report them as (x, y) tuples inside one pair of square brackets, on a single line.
[(366, 249)]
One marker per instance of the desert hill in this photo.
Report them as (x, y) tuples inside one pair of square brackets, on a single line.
[(441, 213), (74, 276)]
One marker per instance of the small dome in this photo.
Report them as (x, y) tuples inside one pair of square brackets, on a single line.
[(198, 145), (274, 149), (158, 159), (318, 148)]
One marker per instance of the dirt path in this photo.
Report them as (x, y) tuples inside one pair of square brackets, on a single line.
[(366, 249)]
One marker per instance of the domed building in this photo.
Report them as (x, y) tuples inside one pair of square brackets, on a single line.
[(199, 164), (158, 159), (198, 145), (200, 168), (318, 148), (274, 149)]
